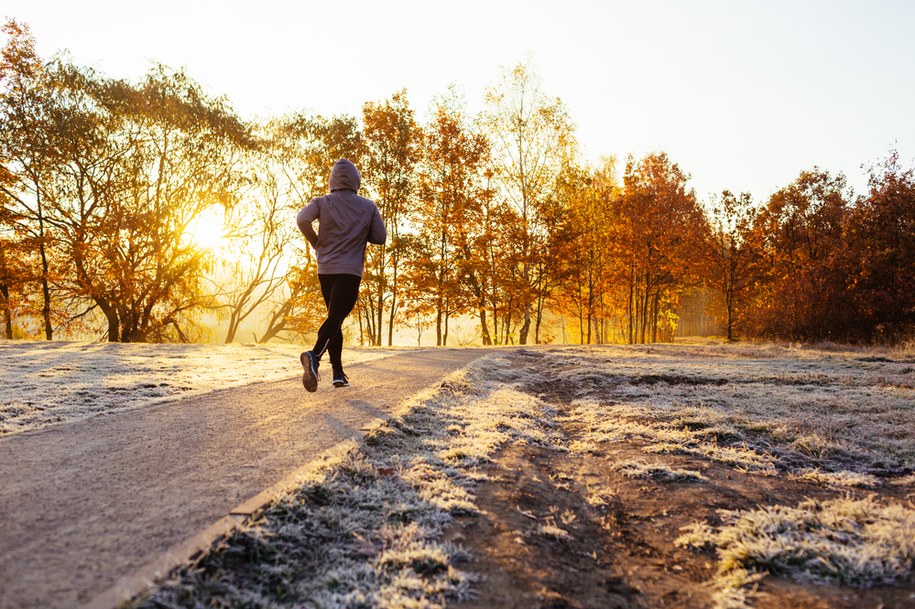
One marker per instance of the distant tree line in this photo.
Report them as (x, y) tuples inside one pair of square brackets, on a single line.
[(493, 217)]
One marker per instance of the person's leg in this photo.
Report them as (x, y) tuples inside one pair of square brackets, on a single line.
[(342, 293), (335, 352), (327, 287), (335, 347)]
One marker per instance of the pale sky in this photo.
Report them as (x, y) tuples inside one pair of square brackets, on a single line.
[(742, 95)]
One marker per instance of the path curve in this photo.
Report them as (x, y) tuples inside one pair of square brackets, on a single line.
[(85, 504)]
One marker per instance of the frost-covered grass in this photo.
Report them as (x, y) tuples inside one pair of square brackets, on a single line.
[(366, 530), (843, 478), (840, 419), (640, 469), (45, 383), (760, 408), (617, 423), (853, 542)]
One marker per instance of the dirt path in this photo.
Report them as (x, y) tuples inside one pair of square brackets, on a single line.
[(85, 504)]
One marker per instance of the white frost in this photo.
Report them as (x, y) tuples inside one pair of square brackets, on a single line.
[(45, 383)]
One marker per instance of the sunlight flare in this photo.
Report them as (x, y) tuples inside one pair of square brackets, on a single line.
[(207, 229)]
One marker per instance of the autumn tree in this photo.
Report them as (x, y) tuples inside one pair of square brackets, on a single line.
[(392, 139), (878, 257), (585, 249), (443, 281), (90, 178), (532, 139), (730, 268), (13, 273), (27, 158), (140, 164), (661, 227), (310, 145), (802, 293), (256, 271)]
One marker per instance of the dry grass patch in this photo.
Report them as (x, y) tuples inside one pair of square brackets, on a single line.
[(757, 408), (636, 468), (853, 542)]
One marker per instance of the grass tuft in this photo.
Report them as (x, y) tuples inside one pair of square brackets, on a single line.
[(636, 468), (853, 542)]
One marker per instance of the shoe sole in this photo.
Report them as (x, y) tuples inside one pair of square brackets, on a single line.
[(339, 384), (309, 380)]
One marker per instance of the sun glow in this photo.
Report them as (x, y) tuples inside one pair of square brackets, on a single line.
[(207, 229)]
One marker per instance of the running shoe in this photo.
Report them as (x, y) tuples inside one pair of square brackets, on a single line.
[(340, 380), (310, 376)]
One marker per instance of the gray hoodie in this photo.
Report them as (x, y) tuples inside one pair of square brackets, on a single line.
[(346, 222)]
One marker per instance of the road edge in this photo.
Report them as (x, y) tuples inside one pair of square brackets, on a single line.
[(191, 549)]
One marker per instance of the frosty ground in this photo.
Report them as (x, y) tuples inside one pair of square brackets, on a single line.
[(675, 475), (48, 383)]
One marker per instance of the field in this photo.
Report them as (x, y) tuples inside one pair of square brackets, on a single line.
[(656, 476)]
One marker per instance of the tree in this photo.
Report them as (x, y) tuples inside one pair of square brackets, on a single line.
[(261, 258), (151, 159), (392, 139), (308, 147), (802, 293), (13, 269), (25, 151), (879, 253), (484, 238), (449, 209), (660, 228), (585, 248), (731, 255), (532, 139)]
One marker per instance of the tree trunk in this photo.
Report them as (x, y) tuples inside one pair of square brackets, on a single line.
[(438, 326), (45, 288), (730, 308), (361, 328), (484, 329), (277, 321), (631, 307), (644, 320), (233, 328), (46, 295), (497, 338), (7, 313), (5, 303), (538, 320), (654, 316), (581, 320), (111, 314), (526, 326), (393, 309), (380, 315)]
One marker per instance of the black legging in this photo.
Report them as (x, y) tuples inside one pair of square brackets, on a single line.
[(340, 292)]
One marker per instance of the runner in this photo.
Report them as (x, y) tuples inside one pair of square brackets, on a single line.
[(346, 222)]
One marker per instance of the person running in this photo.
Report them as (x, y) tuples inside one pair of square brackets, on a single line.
[(346, 223)]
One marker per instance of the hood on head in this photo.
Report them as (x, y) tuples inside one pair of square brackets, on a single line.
[(344, 176)]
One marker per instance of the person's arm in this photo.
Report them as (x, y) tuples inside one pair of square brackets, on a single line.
[(378, 234), (306, 216)]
